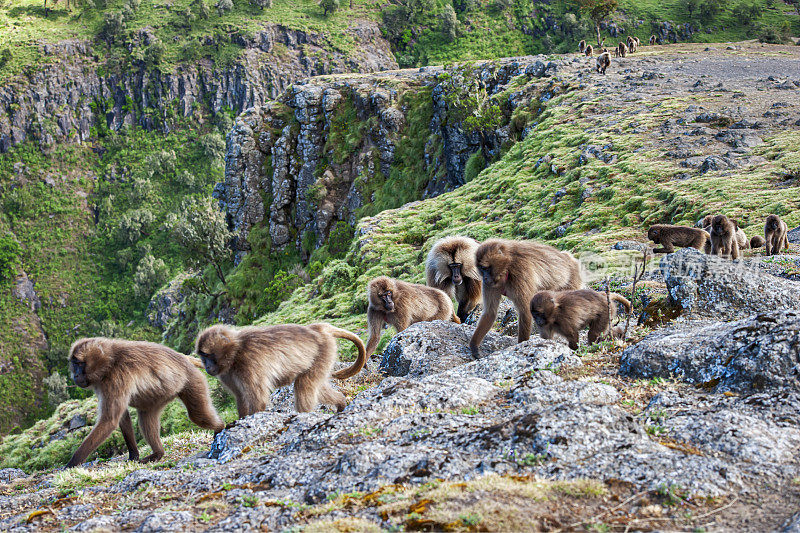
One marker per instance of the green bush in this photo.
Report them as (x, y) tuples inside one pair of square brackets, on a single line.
[(329, 7), (475, 164), (5, 57), (112, 27), (772, 34), (10, 251), (154, 53)]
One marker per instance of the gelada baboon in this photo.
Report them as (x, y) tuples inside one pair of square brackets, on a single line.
[(518, 270), (653, 40), (622, 50), (451, 268), (588, 50), (401, 304), (741, 238), (724, 240), (582, 46), (633, 44), (252, 362), (144, 375), (602, 62), (568, 312), (776, 235), (669, 236)]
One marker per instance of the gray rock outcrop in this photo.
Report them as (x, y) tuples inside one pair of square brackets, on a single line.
[(748, 355), (713, 286)]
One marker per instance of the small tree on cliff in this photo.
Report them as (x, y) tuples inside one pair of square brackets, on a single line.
[(203, 234), (329, 6), (597, 10)]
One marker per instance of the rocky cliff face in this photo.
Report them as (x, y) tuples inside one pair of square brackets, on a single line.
[(62, 101), (327, 147)]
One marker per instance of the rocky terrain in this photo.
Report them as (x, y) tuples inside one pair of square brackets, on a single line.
[(690, 424), (693, 426)]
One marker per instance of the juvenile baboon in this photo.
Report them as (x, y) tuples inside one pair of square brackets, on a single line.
[(776, 235), (451, 268), (568, 312), (518, 270), (252, 362), (603, 61), (669, 236), (653, 40), (724, 240), (622, 49), (588, 50), (401, 304), (757, 241), (582, 46), (143, 375)]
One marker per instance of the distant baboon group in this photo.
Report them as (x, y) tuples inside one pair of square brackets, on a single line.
[(603, 61), (720, 235)]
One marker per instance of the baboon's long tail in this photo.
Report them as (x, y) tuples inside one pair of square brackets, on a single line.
[(361, 360), (455, 318), (621, 299), (195, 361)]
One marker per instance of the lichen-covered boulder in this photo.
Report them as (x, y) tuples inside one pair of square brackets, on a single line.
[(718, 287), (747, 355)]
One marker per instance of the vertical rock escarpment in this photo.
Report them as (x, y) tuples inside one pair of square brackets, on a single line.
[(62, 100), (340, 147)]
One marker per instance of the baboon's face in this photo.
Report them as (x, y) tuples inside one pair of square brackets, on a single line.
[(213, 348), (387, 299), (77, 369), (541, 306), (652, 234), (772, 223), (455, 273), (209, 361), (719, 225)]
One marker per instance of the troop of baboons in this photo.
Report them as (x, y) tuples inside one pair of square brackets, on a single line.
[(720, 235), (603, 60)]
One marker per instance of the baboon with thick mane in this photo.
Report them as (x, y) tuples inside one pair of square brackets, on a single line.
[(582, 46), (741, 238), (143, 375), (602, 63), (252, 362), (653, 40), (622, 49), (451, 267), (568, 312), (724, 239), (588, 51), (400, 304), (633, 44), (669, 236), (775, 235), (518, 270)]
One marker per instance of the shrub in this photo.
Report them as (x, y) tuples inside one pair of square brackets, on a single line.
[(261, 3), (56, 386), (449, 23), (203, 233), (339, 239), (223, 6), (154, 53), (475, 164), (213, 146), (775, 34), (151, 273), (10, 251), (329, 6), (112, 27), (5, 57), (134, 225), (200, 9)]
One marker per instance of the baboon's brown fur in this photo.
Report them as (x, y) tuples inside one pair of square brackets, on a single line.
[(401, 304), (518, 270), (669, 236), (724, 239), (622, 49), (588, 50), (568, 312), (451, 268), (582, 46), (775, 235), (741, 238), (252, 362), (603, 61), (653, 40), (633, 44), (143, 375), (757, 241)]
